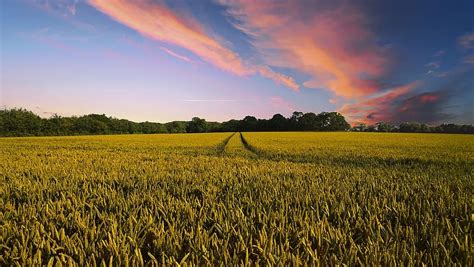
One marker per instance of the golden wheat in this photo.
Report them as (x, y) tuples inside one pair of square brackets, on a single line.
[(223, 199)]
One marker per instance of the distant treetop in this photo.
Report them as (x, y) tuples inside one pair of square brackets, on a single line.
[(21, 122)]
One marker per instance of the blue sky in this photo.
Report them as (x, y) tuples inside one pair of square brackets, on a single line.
[(172, 60)]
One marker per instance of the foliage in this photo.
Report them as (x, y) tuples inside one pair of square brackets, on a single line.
[(197, 125), (414, 127), (223, 199), (20, 122)]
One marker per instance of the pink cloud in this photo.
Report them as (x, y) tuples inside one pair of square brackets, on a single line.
[(280, 103), (171, 28), (279, 78), (376, 108), (331, 44), (157, 21), (400, 104), (429, 97)]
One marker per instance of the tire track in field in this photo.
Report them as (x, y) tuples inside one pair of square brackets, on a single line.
[(248, 147), (223, 144), (236, 148), (359, 162)]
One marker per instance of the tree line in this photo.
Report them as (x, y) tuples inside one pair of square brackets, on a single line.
[(21, 122), (414, 127)]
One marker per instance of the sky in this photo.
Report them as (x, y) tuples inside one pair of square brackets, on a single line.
[(152, 60)]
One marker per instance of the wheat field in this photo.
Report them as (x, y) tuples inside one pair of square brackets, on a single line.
[(237, 199)]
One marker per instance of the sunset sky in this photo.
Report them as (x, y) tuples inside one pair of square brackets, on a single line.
[(160, 61)]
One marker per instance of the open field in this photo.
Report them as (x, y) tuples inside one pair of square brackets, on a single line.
[(224, 198)]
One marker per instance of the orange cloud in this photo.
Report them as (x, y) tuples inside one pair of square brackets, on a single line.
[(376, 108), (159, 22), (331, 44), (278, 77)]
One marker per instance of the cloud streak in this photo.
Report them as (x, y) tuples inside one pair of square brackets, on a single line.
[(402, 104), (157, 21), (210, 100), (330, 43), (174, 54), (467, 41), (280, 103), (469, 59), (65, 8), (376, 108)]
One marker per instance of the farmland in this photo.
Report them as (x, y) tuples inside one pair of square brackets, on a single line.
[(231, 198)]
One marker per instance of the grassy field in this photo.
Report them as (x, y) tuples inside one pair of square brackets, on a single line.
[(226, 199)]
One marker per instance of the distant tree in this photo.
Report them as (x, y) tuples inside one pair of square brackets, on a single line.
[(278, 123), (212, 126), (263, 125), (90, 124), (120, 126), (371, 128), (197, 125), (295, 120), (230, 126), (424, 128), (308, 122), (248, 124), (453, 128), (383, 127), (176, 127), (409, 127), (466, 129), (20, 122), (332, 121), (361, 127)]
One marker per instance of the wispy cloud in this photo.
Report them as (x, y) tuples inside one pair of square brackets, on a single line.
[(433, 68), (210, 100), (171, 28), (46, 37), (174, 54), (433, 65), (419, 102), (378, 107), (65, 8), (280, 103), (278, 77), (424, 107), (469, 59), (157, 21), (467, 41), (439, 53), (442, 74), (331, 43)]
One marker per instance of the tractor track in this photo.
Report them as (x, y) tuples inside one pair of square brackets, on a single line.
[(223, 144), (247, 146), (243, 148)]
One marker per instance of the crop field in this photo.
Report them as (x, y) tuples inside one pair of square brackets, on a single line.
[(237, 199)]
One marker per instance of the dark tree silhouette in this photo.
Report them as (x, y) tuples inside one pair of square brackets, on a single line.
[(21, 122), (197, 125)]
